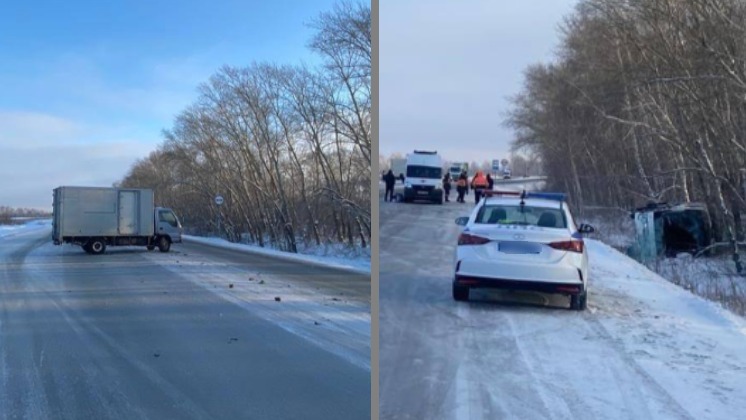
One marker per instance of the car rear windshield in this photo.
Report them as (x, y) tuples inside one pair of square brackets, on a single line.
[(416, 171), (521, 215)]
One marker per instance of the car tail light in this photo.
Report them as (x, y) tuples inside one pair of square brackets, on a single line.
[(572, 246), (467, 239)]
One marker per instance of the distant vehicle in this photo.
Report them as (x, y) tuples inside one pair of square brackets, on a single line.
[(424, 177), (399, 167), (522, 241), (457, 168), (506, 173), (95, 218)]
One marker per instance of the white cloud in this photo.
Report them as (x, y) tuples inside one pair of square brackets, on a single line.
[(32, 129), (27, 177), (39, 152)]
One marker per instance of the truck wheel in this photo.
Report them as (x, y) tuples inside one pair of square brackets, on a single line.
[(164, 245), (97, 246)]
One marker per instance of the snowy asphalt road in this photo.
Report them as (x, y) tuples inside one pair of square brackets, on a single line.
[(132, 334), (645, 349)]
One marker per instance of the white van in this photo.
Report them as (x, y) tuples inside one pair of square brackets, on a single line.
[(424, 177)]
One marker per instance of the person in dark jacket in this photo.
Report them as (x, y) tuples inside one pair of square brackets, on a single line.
[(490, 182), (390, 181), (447, 185), (461, 186)]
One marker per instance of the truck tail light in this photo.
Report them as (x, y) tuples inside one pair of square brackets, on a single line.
[(572, 246), (467, 239)]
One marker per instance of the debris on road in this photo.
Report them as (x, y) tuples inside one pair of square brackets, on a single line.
[(277, 299)]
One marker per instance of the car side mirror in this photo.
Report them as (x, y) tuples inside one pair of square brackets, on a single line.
[(586, 229), (462, 221)]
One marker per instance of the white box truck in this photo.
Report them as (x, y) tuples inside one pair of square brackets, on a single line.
[(424, 177), (94, 218)]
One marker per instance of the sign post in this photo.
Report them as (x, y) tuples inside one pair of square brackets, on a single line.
[(219, 202)]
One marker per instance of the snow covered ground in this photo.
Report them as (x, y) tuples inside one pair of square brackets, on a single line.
[(192, 333), (24, 228), (319, 256), (339, 323), (645, 348)]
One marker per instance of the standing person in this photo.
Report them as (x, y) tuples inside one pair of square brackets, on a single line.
[(447, 185), (390, 180), (461, 186), (490, 182), (479, 184)]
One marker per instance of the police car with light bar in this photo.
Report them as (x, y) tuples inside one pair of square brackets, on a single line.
[(522, 241)]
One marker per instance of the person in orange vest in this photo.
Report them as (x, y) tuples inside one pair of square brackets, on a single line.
[(478, 184)]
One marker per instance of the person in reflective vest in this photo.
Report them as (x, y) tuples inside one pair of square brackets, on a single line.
[(478, 184)]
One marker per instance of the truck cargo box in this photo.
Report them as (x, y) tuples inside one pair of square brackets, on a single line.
[(93, 211)]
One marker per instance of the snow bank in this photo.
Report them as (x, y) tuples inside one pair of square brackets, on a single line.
[(686, 345), (360, 264)]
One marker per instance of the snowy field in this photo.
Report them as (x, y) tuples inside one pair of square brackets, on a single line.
[(23, 228)]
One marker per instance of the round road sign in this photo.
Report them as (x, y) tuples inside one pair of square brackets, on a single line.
[(219, 200)]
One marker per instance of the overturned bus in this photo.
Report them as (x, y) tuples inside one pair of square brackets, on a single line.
[(668, 230)]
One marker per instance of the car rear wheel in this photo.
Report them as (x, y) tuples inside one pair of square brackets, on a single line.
[(460, 293), (579, 302)]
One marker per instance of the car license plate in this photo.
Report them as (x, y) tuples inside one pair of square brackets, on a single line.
[(519, 247)]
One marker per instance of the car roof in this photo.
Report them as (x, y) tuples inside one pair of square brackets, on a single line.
[(538, 202)]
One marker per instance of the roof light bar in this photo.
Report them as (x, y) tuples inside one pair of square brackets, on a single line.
[(499, 193), (547, 196), (561, 197)]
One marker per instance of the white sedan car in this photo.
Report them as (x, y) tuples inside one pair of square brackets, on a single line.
[(523, 241)]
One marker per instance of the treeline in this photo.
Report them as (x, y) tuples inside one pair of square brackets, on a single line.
[(646, 102), (288, 147), (23, 212), (7, 214)]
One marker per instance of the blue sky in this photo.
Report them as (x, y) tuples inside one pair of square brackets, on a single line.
[(87, 86)]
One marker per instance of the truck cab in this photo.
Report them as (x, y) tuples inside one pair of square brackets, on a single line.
[(167, 224)]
